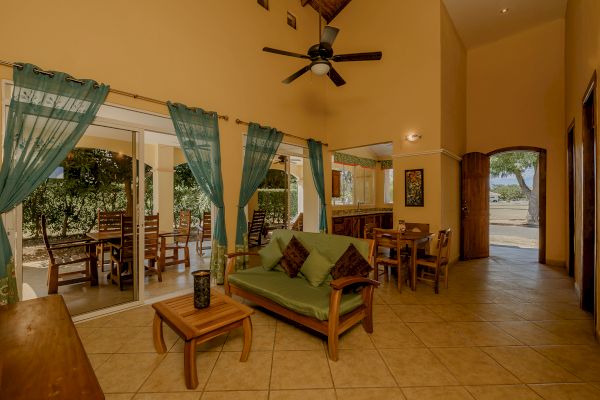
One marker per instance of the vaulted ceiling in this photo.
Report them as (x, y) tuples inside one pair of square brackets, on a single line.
[(327, 8)]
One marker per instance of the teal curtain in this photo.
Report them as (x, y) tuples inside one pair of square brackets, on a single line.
[(315, 154), (48, 114), (261, 145), (198, 134)]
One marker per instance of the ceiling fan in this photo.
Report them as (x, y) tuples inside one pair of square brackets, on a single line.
[(321, 55)]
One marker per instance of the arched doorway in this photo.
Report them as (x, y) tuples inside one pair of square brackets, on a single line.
[(476, 198)]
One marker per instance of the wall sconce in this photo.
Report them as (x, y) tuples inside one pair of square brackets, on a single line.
[(413, 137)]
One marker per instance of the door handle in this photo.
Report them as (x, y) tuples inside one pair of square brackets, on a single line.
[(465, 208)]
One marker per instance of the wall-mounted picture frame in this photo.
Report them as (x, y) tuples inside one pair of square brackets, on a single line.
[(414, 188), (291, 20), (263, 3)]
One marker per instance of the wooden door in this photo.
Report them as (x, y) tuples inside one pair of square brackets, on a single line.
[(475, 212), (588, 278)]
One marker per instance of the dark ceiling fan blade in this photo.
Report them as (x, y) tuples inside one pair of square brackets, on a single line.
[(296, 75), (374, 55), (329, 34), (335, 77), (285, 53)]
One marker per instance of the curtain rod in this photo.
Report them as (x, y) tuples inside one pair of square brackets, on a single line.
[(240, 122), (115, 91)]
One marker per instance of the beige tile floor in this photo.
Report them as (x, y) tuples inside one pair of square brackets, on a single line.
[(82, 298), (507, 328)]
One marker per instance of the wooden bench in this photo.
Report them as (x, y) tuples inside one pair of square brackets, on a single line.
[(41, 355)]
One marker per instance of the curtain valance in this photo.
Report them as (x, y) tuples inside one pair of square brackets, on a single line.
[(349, 159)]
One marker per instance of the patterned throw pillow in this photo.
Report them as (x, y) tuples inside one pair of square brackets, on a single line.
[(351, 263), (294, 256)]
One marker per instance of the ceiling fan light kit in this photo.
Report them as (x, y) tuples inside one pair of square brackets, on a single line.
[(320, 67), (321, 55)]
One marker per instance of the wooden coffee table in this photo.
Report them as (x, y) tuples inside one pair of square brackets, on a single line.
[(199, 326)]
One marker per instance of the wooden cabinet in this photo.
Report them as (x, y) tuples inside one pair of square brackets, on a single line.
[(336, 183), (354, 225)]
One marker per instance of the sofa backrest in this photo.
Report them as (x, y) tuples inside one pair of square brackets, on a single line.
[(331, 246)]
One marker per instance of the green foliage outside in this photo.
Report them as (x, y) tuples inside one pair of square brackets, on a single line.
[(509, 192), (188, 196), (92, 180), (95, 180), (516, 163), (273, 197)]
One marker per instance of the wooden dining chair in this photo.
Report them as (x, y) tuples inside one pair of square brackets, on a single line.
[(389, 241), (108, 221), (151, 239), (255, 228), (121, 254), (181, 238), (430, 267), (70, 252), (204, 232)]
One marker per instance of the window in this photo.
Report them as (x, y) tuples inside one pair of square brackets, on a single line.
[(388, 186), (357, 185)]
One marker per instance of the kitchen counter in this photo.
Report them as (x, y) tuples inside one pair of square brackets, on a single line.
[(353, 222)]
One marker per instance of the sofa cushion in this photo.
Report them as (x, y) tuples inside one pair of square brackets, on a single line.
[(351, 263), (294, 256), (292, 293), (316, 268), (330, 246), (270, 254)]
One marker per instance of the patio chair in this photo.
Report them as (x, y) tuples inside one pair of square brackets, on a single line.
[(430, 267), (255, 228), (181, 238), (73, 252), (121, 254), (108, 221), (151, 238), (204, 232)]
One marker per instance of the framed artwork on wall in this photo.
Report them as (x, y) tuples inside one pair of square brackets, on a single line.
[(414, 188)]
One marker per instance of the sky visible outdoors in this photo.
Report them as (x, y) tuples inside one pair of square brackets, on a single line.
[(512, 180)]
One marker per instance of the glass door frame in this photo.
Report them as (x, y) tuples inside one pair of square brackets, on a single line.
[(116, 116)]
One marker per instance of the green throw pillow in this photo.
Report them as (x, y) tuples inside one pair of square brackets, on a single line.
[(316, 268), (270, 255)]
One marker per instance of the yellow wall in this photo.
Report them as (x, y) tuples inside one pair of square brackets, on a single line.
[(201, 53), (453, 125), (515, 97), (385, 100), (582, 58)]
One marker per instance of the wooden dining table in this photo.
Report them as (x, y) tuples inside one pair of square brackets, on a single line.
[(108, 236), (412, 240)]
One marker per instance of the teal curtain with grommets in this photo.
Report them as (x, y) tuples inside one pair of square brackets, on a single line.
[(261, 145), (49, 112), (198, 134)]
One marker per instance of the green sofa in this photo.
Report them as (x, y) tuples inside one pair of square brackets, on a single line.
[(327, 309)]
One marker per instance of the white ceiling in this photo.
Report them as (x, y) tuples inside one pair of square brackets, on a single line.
[(480, 21)]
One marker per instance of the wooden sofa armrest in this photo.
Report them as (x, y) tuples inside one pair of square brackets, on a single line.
[(242, 253), (341, 283), (334, 307), (229, 268)]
